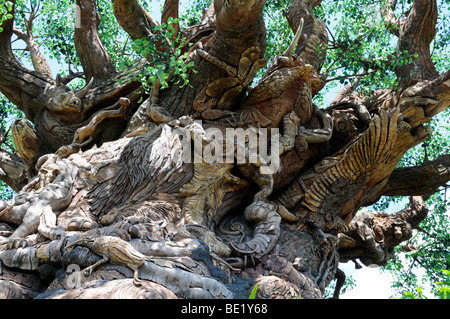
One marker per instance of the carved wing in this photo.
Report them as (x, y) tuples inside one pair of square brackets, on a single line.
[(146, 170)]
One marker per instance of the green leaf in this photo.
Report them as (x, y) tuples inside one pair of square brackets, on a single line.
[(410, 295), (9, 5), (253, 293)]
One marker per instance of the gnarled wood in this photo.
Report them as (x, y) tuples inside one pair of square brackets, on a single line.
[(143, 191)]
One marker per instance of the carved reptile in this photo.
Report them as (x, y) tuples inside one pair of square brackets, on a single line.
[(339, 183)]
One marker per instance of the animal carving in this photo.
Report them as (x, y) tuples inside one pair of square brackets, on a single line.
[(35, 208), (225, 91), (362, 162), (288, 85), (281, 99), (111, 249), (65, 120), (63, 115), (27, 144)]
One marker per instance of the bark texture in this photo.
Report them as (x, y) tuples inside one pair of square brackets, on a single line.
[(106, 192)]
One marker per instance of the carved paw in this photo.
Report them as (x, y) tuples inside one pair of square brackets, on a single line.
[(66, 150), (248, 254), (87, 271), (14, 243)]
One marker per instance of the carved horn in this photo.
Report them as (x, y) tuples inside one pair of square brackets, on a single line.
[(58, 80), (82, 93), (294, 42)]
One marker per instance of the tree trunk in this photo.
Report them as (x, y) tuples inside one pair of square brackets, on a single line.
[(146, 190)]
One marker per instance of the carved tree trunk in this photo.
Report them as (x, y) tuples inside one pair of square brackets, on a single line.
[(117, 188)]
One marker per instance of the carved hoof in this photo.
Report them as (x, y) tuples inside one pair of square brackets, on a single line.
[(15, 243), (136, 280)]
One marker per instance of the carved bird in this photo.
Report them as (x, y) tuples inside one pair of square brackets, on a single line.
[(111, 249), (149, 164)]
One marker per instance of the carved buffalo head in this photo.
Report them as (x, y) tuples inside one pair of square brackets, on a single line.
[(64, 100)]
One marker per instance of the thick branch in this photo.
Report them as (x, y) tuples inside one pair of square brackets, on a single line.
[(5, 36), (417, 31), (93, 56), (389, 17), (313, 49), (419, 180), (237, 26), (17, 83), (371, 237), (21, 85), (171, 10), (12, 170), (134, 19), (236, 16), (40, 64)]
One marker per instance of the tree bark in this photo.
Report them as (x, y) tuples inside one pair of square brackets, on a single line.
[(121, 191), (93, 56)]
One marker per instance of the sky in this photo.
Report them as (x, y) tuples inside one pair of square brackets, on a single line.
[(370, 283)]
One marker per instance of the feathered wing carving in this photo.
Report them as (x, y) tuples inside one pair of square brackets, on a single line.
[(149, 165), (363, 161)]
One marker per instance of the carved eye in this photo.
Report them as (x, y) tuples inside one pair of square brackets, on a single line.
[(96, 246), (75, 102)]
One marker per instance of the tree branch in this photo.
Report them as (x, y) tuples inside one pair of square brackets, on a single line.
[(313, 49), (134, 19), (5, 36), (236, 16), (419, 180), (417, 31), (392, 22), (39, 62), (95, 60), (371, 237), (12, 170), (171, 10), (226, 31)]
